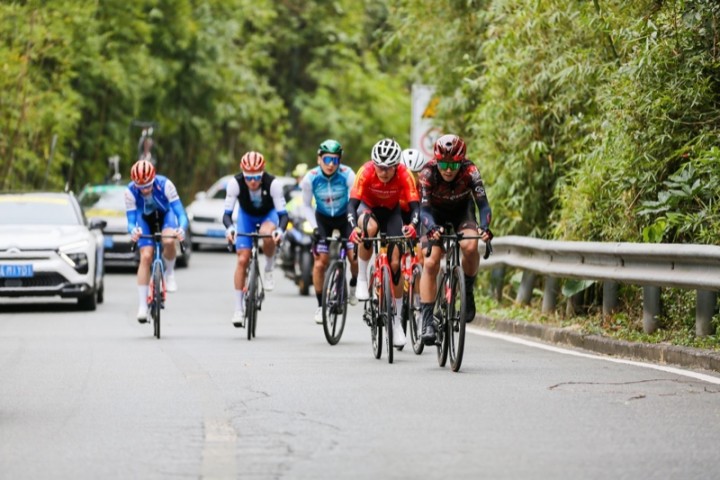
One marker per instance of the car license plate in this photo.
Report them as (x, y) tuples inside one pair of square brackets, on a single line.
[(216, 233), (108, 242), (16, 271)]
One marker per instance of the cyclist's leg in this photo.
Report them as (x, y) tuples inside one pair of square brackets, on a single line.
[(169, 253), (428, 287), (352, 258), (321, 255), (245, 224), (268, 225), (470, 264), (367, 222), (392, 224)]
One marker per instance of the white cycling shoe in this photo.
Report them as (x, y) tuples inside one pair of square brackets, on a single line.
[(361, 290), (398, 334), (238, 319), (318, 316), (268, 281), (142, 314), (352, 299), (170, 283)]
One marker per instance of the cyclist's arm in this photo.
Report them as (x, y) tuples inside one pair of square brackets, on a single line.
[(356, 191), (279, 203), (176, 204), (412, 197), (232, 191), (426, 187), (480, 198), (130, 210), (307, 196), (352, 207)]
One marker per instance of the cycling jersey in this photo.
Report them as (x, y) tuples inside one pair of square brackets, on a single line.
[(443, 198), (162, 203), (331, 193), (371, 191)]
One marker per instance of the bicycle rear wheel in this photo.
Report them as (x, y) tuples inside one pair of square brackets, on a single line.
[(157, 300), (334, 302), (386, 311), (251, 299), (440, 317), (414, 311), (375, 321), (456, 319)]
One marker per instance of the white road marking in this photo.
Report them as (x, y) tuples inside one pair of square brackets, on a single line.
[(530, 343)]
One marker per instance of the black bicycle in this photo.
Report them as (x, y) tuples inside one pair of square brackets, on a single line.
[(157, 291), (449, 310), (254, 290), (335, 291)]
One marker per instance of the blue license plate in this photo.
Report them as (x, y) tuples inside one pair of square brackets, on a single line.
[(216, 233), (108, 242), (16, 271)]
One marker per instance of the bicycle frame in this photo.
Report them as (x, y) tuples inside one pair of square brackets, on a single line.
[(254, 290), (335, 292)]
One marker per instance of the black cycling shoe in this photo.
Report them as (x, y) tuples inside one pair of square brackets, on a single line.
[(142, 320), (428, 331), (469, 309)]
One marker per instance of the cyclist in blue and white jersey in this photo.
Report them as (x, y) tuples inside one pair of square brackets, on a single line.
[(329, 184), (261, 202), (152, 202)]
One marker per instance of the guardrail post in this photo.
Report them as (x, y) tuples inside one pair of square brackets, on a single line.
[(704, 311), (527, 283), (651, 308), (550, 294), (497, 277), (610, 297)]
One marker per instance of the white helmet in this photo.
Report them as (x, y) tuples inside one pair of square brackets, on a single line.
[(386, 153), (413, 159)]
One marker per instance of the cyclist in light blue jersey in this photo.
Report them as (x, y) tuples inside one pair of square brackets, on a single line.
[(152, 202), (329, 184)]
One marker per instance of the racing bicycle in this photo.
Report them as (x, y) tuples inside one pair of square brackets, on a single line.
[(335, 291)]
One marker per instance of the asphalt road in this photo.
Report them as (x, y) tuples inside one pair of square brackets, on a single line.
[(94, 395)]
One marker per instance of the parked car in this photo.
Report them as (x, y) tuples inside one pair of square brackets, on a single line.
[(107, 202), (207, 210), (47, 248)]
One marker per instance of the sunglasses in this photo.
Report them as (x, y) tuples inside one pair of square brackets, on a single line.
[(147, 186), (451, 165), (383, 168), (253, 178), (328, 160)]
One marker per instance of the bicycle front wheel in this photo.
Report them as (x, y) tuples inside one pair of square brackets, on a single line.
[(375, 320), (157, 300), (414, 311), (456, 318), (334, 302), (386, 311), (251, 299), (440, 319)]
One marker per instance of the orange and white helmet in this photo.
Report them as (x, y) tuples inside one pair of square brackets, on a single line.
[(252, 162), (142, 173)]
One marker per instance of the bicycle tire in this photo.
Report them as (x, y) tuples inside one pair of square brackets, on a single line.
[(251, 298), (386, 310), (375, 326), (334, 302), (414, 310), (157, 300), (456, 319), (440, 317)]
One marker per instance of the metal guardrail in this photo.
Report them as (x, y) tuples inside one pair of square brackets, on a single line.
[(651, 265)]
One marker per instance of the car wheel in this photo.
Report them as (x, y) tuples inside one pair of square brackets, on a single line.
[(101, 293), (88, 302)]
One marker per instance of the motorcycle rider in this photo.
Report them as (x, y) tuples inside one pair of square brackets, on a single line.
[(329, 184)]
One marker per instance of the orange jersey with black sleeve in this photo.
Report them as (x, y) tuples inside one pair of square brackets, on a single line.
[(371, 191)]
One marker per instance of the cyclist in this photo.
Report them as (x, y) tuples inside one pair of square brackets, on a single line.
[(329, 185), (381, 184), (261, 202), (152, 201), (451, 188)]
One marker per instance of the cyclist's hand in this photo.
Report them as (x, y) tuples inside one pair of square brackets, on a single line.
[(135, 234), (485, 234), (277, 236), (230, 234), (180, 234), (355, 235), (409, 231), (434, 232)]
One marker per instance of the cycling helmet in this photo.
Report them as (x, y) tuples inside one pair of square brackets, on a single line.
[(413, 159), (252, 162), (386, 153), (450, 148), (330, 146), (142, 173)]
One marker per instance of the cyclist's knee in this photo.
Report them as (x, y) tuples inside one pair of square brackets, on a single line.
[(431, 265)]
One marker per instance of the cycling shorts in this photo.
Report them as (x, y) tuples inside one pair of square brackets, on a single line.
[(326, 225), (248, 224), (150, 223)]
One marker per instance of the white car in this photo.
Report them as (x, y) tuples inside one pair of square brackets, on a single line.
[(46, 249), (206, 213)]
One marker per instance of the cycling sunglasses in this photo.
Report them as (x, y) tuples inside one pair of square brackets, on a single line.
[(383, 168), (254, 178), (451, 165), (328, 160)]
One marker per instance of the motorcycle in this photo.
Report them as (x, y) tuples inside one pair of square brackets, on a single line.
[(296, 257)]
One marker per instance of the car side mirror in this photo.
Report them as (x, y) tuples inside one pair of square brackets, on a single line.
[(97, 224), (201, 196)]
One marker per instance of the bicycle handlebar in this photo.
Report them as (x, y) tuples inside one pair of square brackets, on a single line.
[(231, 244), (459, 237), (157, 237)]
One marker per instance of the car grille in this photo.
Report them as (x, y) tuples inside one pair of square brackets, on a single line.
[(205, 219), (40, 279)]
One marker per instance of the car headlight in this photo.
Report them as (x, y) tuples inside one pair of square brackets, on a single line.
[(77, 260)]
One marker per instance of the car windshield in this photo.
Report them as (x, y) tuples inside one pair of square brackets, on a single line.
[(100, 198), (37, 210), (219, 194)]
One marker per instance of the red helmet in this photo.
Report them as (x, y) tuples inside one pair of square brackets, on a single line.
[(252, 162), (142, 173), (450, 148)]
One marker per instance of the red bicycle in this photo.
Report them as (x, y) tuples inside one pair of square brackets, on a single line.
[(411, 315), (380, 307)]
